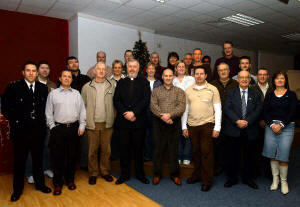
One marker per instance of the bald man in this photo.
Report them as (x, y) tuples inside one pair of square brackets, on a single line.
[(243, 111), (168, 105)]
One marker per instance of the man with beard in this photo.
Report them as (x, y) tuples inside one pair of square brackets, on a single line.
[(131, 99)]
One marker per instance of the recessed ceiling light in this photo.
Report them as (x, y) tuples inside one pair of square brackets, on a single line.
[(243, 20), (161, 1), (294, 36)]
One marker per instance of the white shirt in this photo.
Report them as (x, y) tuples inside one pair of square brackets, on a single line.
[(113, 77), (246, 94), (263, 89), (186, 82), (28, 84), (151, 84)]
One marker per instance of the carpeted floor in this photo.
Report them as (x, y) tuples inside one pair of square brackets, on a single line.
[(168, 194)]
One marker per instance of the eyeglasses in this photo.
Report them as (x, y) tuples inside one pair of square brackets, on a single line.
[(243, 77), (262, 74)]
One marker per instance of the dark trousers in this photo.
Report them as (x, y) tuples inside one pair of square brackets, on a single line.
[(203, 152), (115, 143), (261, 163), (132, 140), (219, 152), (166, 135), (235, 146), (24, 143), (64, 148), (149, 136)]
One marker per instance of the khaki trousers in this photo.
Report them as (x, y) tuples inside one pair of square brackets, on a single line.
[(99, 138)]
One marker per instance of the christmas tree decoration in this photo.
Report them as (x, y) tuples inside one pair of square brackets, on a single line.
[(140, 52)]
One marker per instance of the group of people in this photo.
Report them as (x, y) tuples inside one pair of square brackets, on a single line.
[(201, 115)]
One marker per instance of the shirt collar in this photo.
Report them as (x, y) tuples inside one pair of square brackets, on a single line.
[(266, 87), (171, 86), (241, 90), (196, 87), (113, 77), (62, 89), (28, 84)]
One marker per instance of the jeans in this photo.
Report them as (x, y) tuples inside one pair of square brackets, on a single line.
[(149, 136), (185, 150)]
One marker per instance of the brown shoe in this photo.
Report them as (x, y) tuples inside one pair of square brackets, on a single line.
[(92, 180), (71, 186), (176, 180), (192, 180), (156, 180), (57, 191)]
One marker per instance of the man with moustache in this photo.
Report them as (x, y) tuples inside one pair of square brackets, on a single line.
[(245, 65), (23, 105), (98, 99), (243, 111), (101, 57), (202, 121), (66, 115), (224, 83), (167, 105), (131, 99)]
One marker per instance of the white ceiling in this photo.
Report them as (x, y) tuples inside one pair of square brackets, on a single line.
[(189, 19)]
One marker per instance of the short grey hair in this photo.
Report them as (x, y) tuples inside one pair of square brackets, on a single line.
[(133, 60), (101, 52)]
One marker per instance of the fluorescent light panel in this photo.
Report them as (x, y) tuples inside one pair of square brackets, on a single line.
[(294, 36), (243, 20)]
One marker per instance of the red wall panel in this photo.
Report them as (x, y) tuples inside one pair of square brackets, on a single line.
[(26, 37)]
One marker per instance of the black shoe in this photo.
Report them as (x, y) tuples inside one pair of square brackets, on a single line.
[(15, 196), (192, 180), (121, 180), (143, 180), (230, 183), (57, 191), (92, 180), (84, 169), (108, 178), (205, 188), (250, 183), (44, 189)]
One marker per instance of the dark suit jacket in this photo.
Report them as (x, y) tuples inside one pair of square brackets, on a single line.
[(132, 96), (257, 88), (17, 105), (233, 112)]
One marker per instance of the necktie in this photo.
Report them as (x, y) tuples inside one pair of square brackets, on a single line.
[(31, 89), (244, 106)]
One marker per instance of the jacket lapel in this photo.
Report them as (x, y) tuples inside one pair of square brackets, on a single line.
[(250, 98), (239, 99)]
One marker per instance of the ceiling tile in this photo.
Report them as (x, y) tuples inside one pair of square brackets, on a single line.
[(220, 13), (99, 8), (32, 10), (224, 3), (204, 7), (171, 19), (185, 13), (204, 18), (183, 4), (68, 7), (40, 4), (165, 9), (9, 4), (126, 11), (244, 6), (142, 4), (267, 2), (60, 14)]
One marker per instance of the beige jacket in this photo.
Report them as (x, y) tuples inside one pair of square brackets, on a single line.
[(89, 97)]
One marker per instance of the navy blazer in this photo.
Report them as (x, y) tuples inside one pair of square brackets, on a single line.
[(233, 112)]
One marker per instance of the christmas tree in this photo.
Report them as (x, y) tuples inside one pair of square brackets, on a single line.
[(140, 52)]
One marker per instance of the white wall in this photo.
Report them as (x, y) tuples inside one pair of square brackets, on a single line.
[(96, 34), (275, 61), (73, 37)]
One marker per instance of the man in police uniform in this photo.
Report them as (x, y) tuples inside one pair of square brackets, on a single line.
[(23, 104)]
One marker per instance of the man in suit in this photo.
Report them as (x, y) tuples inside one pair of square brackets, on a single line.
[(242, 110), (23, 104), (131, 100)]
